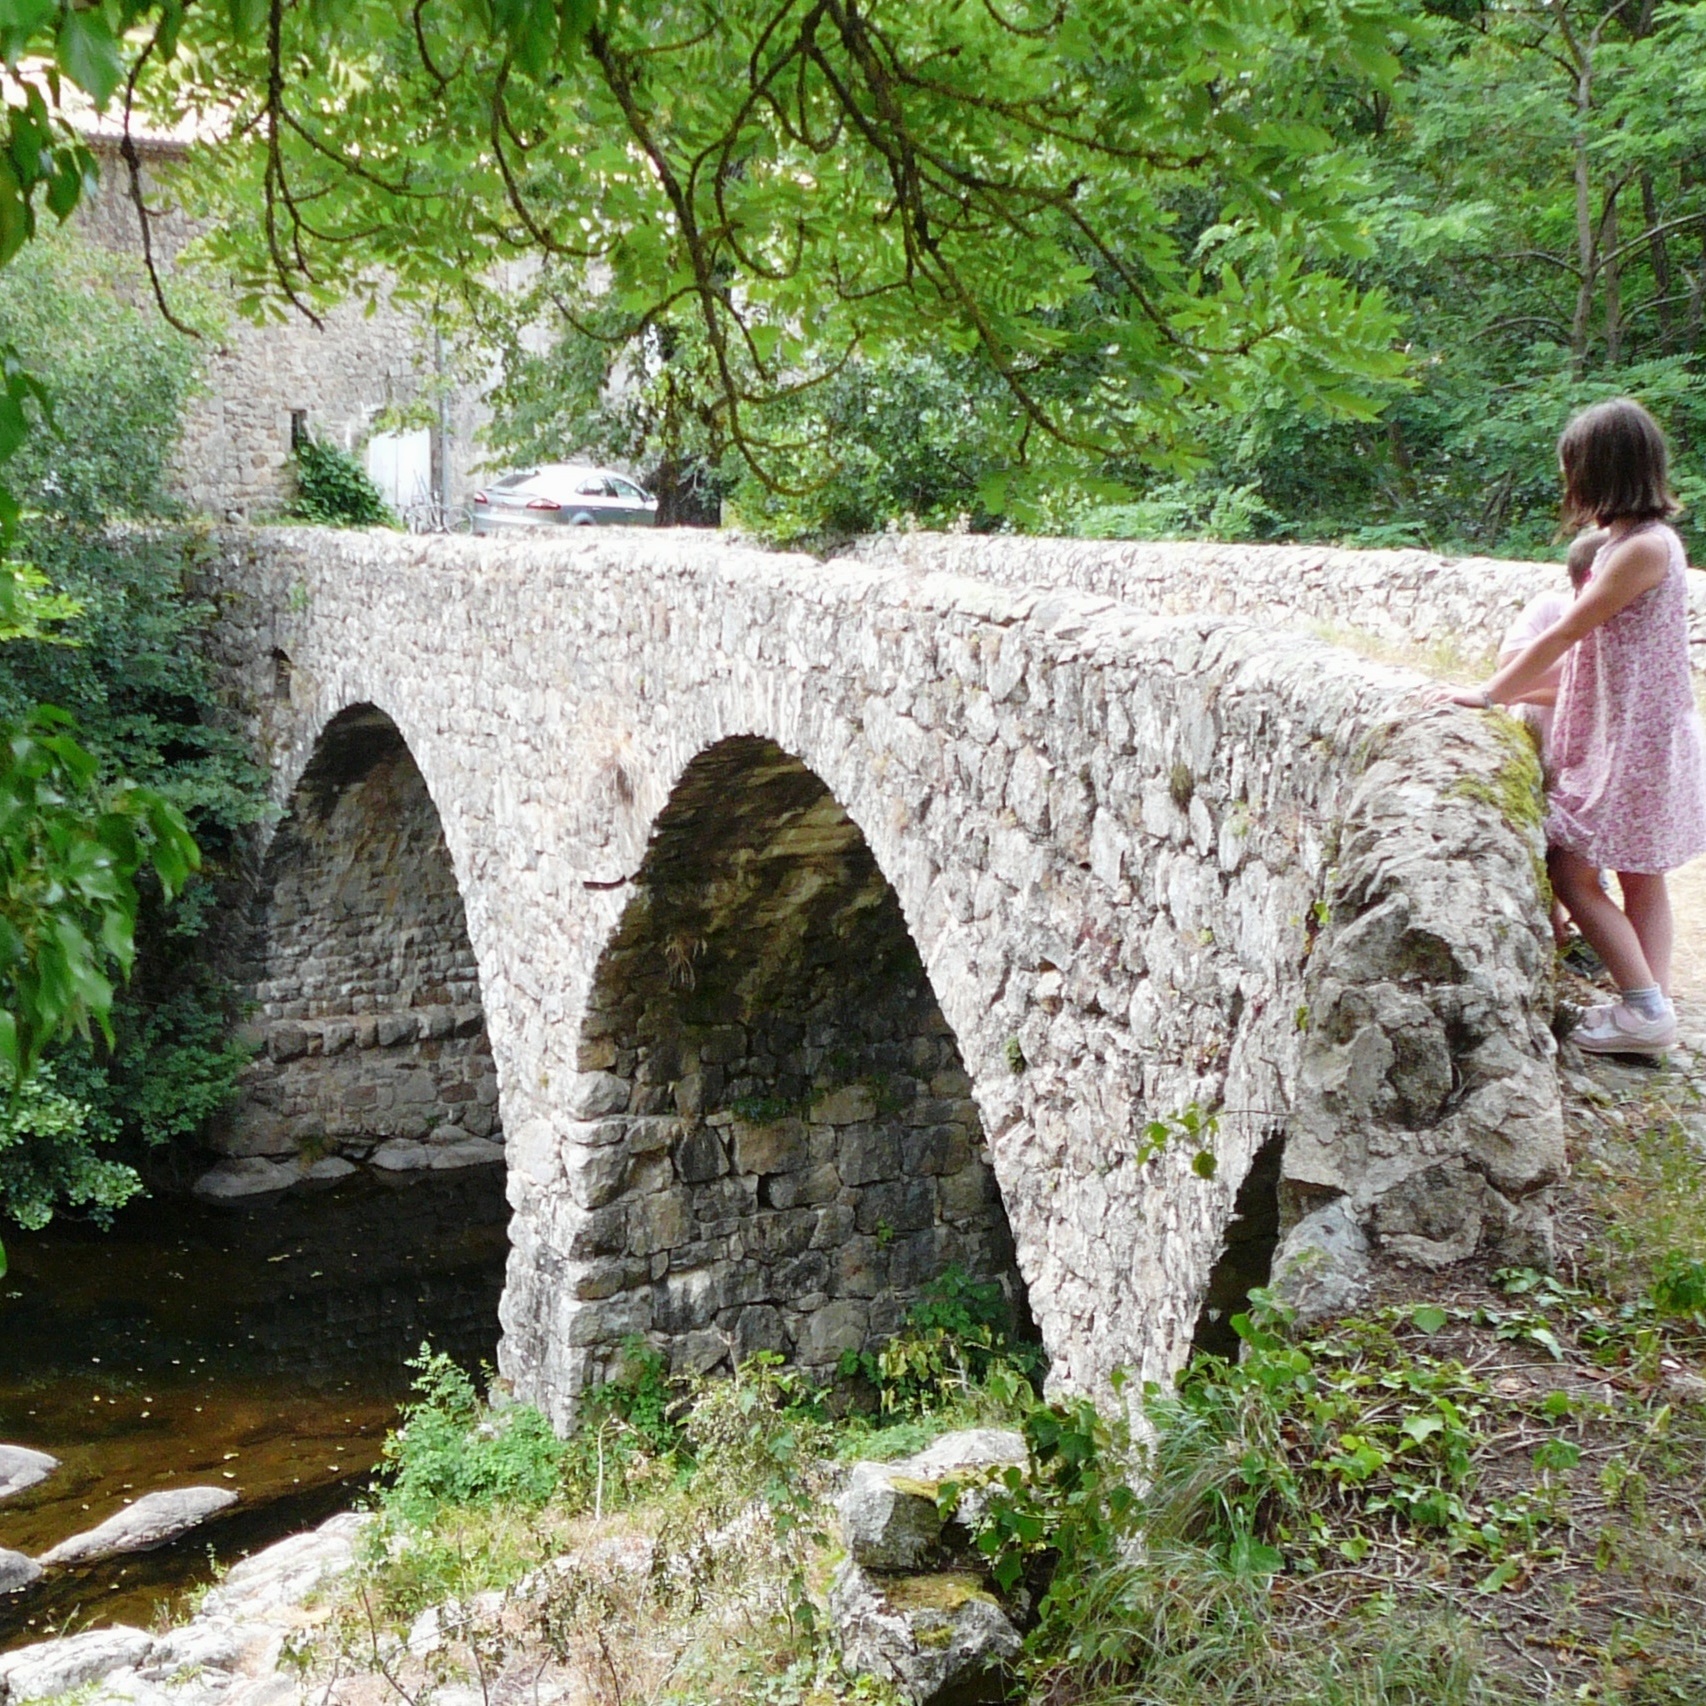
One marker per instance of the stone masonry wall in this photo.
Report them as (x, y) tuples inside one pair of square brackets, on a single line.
[(1409, 601), (233, 459), (367, 1017), (787, 1144), (1146, 863)]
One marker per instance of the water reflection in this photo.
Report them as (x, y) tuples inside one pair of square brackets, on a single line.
[(258, 1347)]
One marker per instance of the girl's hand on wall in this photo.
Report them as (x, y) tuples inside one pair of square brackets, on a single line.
[(1474, 698)]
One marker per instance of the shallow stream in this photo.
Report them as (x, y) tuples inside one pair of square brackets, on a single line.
[(260, 1347)]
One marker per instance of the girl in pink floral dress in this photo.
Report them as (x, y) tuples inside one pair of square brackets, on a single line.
[(1629, 759)]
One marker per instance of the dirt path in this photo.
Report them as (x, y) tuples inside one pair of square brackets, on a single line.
[(1688, 902)]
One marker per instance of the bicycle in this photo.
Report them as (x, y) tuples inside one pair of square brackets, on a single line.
[(432, 515)]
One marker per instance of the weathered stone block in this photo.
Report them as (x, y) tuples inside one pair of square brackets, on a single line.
[(595, 1093), (849, 1104), (700, 1156), (825, 1333), (286, 1042), (779, 1147), (793, 1190), (902, 1205), (867, 1153), (662, 1221), (759, 1327), (394, 1028)]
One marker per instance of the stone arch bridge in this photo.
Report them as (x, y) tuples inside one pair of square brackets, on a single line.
[(800, 930)]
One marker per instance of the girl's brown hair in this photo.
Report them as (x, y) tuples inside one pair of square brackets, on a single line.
[(1615, 466)]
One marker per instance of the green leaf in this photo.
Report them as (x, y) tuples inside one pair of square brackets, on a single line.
[(1428, 1318), (1251, 1557), (89, 56), (25, 17)]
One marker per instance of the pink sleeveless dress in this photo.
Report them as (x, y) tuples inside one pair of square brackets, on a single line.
[(1628, 755)]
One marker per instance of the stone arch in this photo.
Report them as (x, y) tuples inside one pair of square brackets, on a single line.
[(779, 1145), (372, 1037), (1248, 1244)]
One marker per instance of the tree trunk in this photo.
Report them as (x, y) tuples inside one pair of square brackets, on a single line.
[(1587, 257), (1612, 271), (1659, 250)]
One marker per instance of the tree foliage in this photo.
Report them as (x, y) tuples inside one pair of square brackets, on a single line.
[(1128, 216), (103, 891)]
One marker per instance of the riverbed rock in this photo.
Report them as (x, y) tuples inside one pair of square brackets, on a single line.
[(153, 1520), (470, 1152), (17, 1571), (46, 1668), (934, 1638), (403, 1155), (284, 1575), (248, 1176), (203, 1645), (22, 1467)]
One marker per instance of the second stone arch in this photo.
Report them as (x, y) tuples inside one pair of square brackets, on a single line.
[(779, 1146)]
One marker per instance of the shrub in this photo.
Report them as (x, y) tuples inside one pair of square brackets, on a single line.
[(49, 1158), (332, 488), (452, 1450), (752, 1434), (957, 1332)]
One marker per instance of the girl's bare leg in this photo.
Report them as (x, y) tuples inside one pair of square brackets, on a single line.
[(1608, 929), (1646, 904)]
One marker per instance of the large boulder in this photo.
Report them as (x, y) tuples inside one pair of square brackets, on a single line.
[(1321, 1268), (20, 1467), (153, 1520), (888, 1521), (247, 1176), (17, 1571), (938, 1640), (941, 1638), (890, 1514), (47, 1668), (284, 1574)]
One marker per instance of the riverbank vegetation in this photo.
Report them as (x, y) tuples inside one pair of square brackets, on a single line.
[(121, 659), (1483, 1489)]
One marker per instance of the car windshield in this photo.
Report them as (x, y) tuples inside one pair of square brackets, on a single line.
[(626, 488), (561, 484)]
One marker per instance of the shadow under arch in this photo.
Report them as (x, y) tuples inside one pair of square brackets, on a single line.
[(366, 991), (790, 1149)]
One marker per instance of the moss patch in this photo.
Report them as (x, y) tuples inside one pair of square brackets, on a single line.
[(1515, 790), (944, 1593)]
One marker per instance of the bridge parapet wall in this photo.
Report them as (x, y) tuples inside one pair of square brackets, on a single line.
[(1411, 602), (1149, 864)]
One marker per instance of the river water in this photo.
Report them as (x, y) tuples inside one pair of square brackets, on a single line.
[(261, 1347)]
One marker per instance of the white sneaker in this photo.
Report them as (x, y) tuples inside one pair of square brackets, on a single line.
[(1620, 1029)]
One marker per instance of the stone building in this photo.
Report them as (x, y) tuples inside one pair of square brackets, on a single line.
[(266, 385)]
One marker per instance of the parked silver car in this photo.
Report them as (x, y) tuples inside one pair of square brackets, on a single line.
[(562, 494)]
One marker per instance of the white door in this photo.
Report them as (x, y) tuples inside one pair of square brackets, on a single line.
[(400, 465)]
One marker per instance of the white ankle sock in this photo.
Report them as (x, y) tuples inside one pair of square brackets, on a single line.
[(1649, 1002)]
